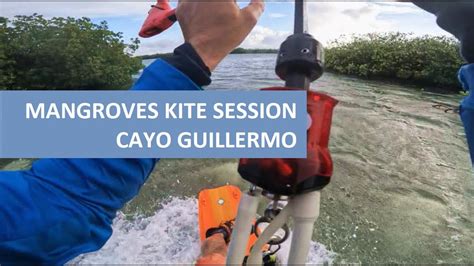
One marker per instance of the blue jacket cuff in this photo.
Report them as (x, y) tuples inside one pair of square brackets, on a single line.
[(162, 76)]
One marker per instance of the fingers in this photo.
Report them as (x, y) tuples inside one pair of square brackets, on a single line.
[(258, 2), (254, 10)]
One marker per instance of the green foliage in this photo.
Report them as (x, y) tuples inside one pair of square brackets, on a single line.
[(427, 60), (240, 50), (7, 65), (64, 53), (155, 56), (235, 51)]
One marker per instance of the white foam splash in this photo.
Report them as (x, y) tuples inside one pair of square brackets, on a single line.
[(171, 236), (318, 254)]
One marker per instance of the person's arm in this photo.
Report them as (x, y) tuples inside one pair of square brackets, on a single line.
[(466, 110), (61, 208), (456, 17)]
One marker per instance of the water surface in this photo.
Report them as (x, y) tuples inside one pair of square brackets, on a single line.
[(402, 190)]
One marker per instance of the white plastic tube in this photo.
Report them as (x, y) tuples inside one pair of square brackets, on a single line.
[(243, 226), (304, 211)]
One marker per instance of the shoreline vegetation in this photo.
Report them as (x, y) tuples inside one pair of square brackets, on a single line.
[(235, 51), (70, 54), (38, 53), (431, 61)]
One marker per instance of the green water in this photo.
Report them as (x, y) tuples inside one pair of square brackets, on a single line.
[(402, 190)]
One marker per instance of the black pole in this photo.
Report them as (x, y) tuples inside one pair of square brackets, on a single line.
[(298, 79), (300, 16)]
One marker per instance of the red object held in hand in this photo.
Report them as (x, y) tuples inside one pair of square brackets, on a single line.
[(296, 176), (160, 17)]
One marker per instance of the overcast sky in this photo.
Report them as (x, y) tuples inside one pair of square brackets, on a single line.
[(327, 20)]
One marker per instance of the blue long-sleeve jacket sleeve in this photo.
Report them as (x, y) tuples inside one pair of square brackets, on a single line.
[(466, 76), (61, 208)]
